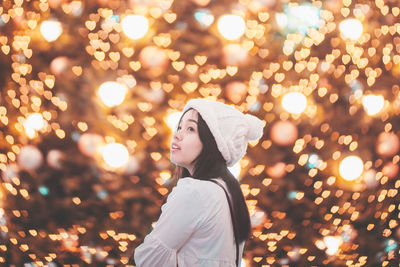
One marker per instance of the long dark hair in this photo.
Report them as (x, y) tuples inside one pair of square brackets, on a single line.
[(211, 164)]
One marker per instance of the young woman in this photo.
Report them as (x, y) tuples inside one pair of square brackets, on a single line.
[(205, 221)]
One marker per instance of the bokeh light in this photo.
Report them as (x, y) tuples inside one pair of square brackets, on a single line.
[(51, 30), (373, 104), (332, 244), (115, 155), (135, 26), (351, 29), (204, 17), (33, 123), (294, 102), (112, 93), (172, 120), (298, 18), (231, 27), (351, 168)]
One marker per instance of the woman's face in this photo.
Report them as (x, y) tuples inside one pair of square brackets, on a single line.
[(186, 144)]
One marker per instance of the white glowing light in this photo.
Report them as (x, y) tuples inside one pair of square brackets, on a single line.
[(173, 119), (281, 19), (231, 27), (33, 123), (112, 93), (373, 104), (351, 29), (235, 170), (135, 26), (298, 18), (51, 30), (351, 168), (294, 102), (332, 243), (115, 155)]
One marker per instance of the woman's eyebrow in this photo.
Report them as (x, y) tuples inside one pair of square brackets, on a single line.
[(192, 120)]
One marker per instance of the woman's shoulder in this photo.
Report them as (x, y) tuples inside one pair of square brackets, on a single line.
[(196, 183), (202, 187)]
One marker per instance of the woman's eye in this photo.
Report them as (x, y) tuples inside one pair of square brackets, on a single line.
[(191, 129), (179, 127)]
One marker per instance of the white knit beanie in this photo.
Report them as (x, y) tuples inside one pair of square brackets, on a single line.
[(231, 128)]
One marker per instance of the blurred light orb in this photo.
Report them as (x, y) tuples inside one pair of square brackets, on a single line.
[(234, 54), (278, 170), (294, 102), (155, 96), (351, 29), (51, 30), (33, 123), (135, 26), (235, 91), (369, 178), (314, 161), (54, 159), (257, 218), (298, 19), (153, 57), (172, 120), (201, 2), (204, 17), (396, 70), (112, 93), (89, 144), (115, 155), (348, 234), (10, 172), (356, 86), (259, 5), (77, 8), (390, 170), (390, 245), (59, 65), (54, 3), (283, 133), (332, 244), (387, 144), (373, 104), (132, 166), (44, 190), (351, 168), (231, 27), (30, 158)]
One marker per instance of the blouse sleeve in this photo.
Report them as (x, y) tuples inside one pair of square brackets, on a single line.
[(180, 217)]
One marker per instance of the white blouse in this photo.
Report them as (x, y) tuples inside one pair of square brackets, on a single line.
[(194, 229)]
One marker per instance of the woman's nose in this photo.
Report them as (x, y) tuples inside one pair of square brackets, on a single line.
[(177, 135)]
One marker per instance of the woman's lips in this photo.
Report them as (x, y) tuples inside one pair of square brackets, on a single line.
[(175, 147)]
